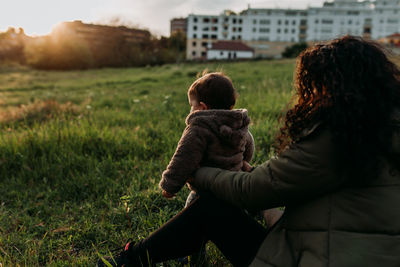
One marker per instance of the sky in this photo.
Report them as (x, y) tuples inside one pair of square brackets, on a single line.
[(37, 17)]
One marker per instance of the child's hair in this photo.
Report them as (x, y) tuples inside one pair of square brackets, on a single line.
[(215, 90)]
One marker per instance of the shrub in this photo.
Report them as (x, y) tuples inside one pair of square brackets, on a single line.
[(294, 50)]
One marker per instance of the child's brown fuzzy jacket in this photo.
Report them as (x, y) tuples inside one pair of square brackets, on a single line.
[(213, 138)]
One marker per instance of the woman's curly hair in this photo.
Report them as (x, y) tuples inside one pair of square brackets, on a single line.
[(350, 86)]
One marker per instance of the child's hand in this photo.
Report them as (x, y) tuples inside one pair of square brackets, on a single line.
[(167, 194), (247, 167)]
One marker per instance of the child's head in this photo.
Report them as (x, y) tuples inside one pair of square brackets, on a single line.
[(212, 91)]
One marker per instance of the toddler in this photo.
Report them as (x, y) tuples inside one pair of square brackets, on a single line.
[(216, 135)]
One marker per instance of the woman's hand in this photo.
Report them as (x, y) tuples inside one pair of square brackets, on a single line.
[(247, 167), (167, 194)]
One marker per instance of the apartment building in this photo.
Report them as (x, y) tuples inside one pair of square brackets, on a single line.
[(100, 35), (270, 31), (178, 24)]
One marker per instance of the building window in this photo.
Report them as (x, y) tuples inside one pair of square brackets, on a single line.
[(353, 13), (193, 53), (225, 28), (226, 19), (240, 21), (194, 36), (350, 21), (194, 19), (205, 36), (264, 30), (214, 29), (234, 21), (316, 21), (327, 21), (293, 31), (194, 43), (265, 21), (214, 20), (303, 22), (234, 29), (293, 22), (286, 30), (239, 37), (194, 28), (286, 22), (221, 53), (206, 20), (290, 13), (240, 29), (214, 36), (254, 29), (203, 54), (393, 21), (206, 29), (204, 44), (278, 30), (279, 22), (233, 38), (254, 21)]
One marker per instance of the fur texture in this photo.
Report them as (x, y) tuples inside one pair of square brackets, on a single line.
[(213, 138)]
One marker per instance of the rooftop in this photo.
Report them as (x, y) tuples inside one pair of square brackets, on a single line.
[(231, 45)]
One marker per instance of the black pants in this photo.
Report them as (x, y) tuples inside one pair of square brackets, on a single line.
[(207, 218)]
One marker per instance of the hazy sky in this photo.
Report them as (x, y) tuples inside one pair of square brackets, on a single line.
[(38, 16)]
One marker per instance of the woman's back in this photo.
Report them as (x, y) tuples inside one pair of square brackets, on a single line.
[(356, 225)]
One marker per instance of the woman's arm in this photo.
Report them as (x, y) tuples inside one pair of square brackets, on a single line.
[(304, 170)]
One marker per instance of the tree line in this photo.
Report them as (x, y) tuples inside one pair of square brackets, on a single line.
[(61, 51)]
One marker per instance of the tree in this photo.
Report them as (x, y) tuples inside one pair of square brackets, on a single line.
[(294, 50)]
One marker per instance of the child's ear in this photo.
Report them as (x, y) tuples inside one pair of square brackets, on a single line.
[(204, 106)]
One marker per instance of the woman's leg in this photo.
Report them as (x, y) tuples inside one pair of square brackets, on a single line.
[(234, 232)]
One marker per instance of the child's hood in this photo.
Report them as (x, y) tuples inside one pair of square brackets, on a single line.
[(228, 124)]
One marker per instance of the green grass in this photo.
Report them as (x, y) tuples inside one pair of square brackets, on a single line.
[(81, 153)]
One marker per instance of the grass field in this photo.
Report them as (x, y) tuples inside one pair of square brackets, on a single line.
[(81, 153)]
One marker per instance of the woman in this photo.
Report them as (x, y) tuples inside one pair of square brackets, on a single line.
[(336, 172)]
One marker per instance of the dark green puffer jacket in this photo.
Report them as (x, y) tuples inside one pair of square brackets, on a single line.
[(325, 223)]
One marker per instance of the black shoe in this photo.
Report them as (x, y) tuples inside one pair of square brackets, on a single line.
[(119, 260)]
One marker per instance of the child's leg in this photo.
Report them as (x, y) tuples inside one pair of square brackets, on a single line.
[(235, 233)]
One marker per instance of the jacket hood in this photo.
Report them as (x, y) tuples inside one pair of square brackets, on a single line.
[(229, 125)]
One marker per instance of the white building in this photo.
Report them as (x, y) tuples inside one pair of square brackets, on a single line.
[(386, 18), (339, 18), (229, 50), (275, 29)]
